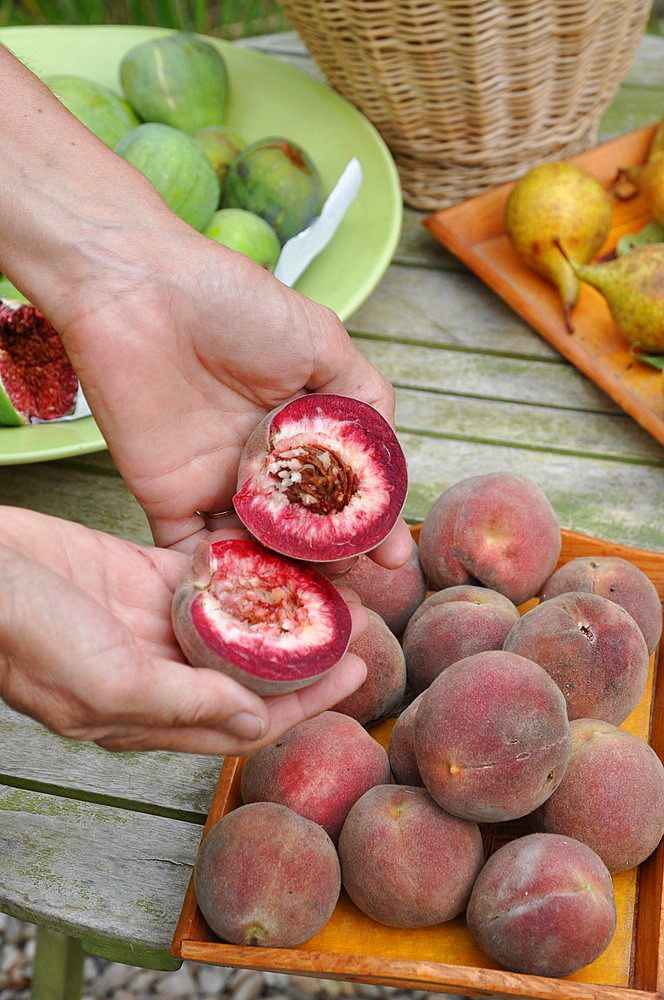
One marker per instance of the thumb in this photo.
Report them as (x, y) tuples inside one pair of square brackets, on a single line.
[(164, 694)]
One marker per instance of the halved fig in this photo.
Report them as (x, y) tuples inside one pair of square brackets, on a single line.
[(37, 380), (321, 478), (271, 623)]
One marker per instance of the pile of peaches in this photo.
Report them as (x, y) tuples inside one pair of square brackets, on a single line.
[(501, 713)]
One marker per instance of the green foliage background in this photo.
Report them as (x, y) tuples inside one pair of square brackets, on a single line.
[(225, 18)]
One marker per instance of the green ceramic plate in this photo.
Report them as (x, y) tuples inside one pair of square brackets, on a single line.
[(268, 97)]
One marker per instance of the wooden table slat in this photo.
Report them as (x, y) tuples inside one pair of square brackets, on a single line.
[(100, 846)]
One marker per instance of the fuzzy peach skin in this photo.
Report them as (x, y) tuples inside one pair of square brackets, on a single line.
[(618, 580), (591, 647), (382, 692), (401, 748), (611, 796), (319, 769), (405, 862), (321, 478), (544, 905), (451, 624), (491, 737), (498, 530), (265, 876), (394, 594)]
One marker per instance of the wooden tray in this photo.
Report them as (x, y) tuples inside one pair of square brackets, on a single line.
[(474, 231), (444, 958)]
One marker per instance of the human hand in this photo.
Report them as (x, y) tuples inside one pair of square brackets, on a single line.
[(181, 345), (177, 439), (87, 648)]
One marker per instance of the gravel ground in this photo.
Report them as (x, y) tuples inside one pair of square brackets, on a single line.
[(193, 981)]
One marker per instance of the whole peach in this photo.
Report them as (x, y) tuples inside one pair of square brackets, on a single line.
[(382, 691), (491, 737), (394, 594), (544, 905), (401, 750), (319, 768), (611, 796), (451, 624), (405, 862), (618, 580), (498, 530), (591, 647), (266, 876)]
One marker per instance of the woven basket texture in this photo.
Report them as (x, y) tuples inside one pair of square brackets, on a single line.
[(470, 93)]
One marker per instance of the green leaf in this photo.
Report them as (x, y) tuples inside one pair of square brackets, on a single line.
[(652, 233), (654, 360)]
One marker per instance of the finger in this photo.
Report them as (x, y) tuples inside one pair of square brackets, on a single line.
[(223, 520), (195, 739), (79, 670), (199, 528), (358, 613), (336, 569), (165, 694), (340, 367), (285, 711), (396, 549), (288, 710)]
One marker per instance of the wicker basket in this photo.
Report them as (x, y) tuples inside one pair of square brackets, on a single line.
[(470, 93)]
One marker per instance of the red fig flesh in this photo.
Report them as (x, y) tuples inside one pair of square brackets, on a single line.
[(321, 478), (269, 622), (36, 378)]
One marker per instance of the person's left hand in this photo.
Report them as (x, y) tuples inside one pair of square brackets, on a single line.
[(87, 648)]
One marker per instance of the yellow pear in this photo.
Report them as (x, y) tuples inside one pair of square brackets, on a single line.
[(657, 142), (633, 287), (558, 201), (648, 179)]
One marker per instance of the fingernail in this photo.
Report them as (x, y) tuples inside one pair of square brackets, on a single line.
[(245, 725)]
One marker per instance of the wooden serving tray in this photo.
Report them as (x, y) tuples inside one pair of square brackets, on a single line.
[(475, 232), (444, 958)]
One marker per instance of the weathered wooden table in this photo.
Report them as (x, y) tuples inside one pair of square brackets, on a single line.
[(97, 849)]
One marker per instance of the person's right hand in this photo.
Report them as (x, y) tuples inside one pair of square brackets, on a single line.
[(182, 346), (87, 648)]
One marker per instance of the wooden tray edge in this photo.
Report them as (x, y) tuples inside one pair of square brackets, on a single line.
[(443, 226), (648, 947)]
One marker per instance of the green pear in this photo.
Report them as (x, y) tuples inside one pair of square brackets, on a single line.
[(652, 232), (558, 201), (633, 287)]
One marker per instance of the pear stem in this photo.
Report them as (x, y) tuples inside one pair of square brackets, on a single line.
[(568, 306), (621, 187)]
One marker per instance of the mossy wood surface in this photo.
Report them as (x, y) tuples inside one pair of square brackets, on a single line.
[(100, 846), (169, 784)]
